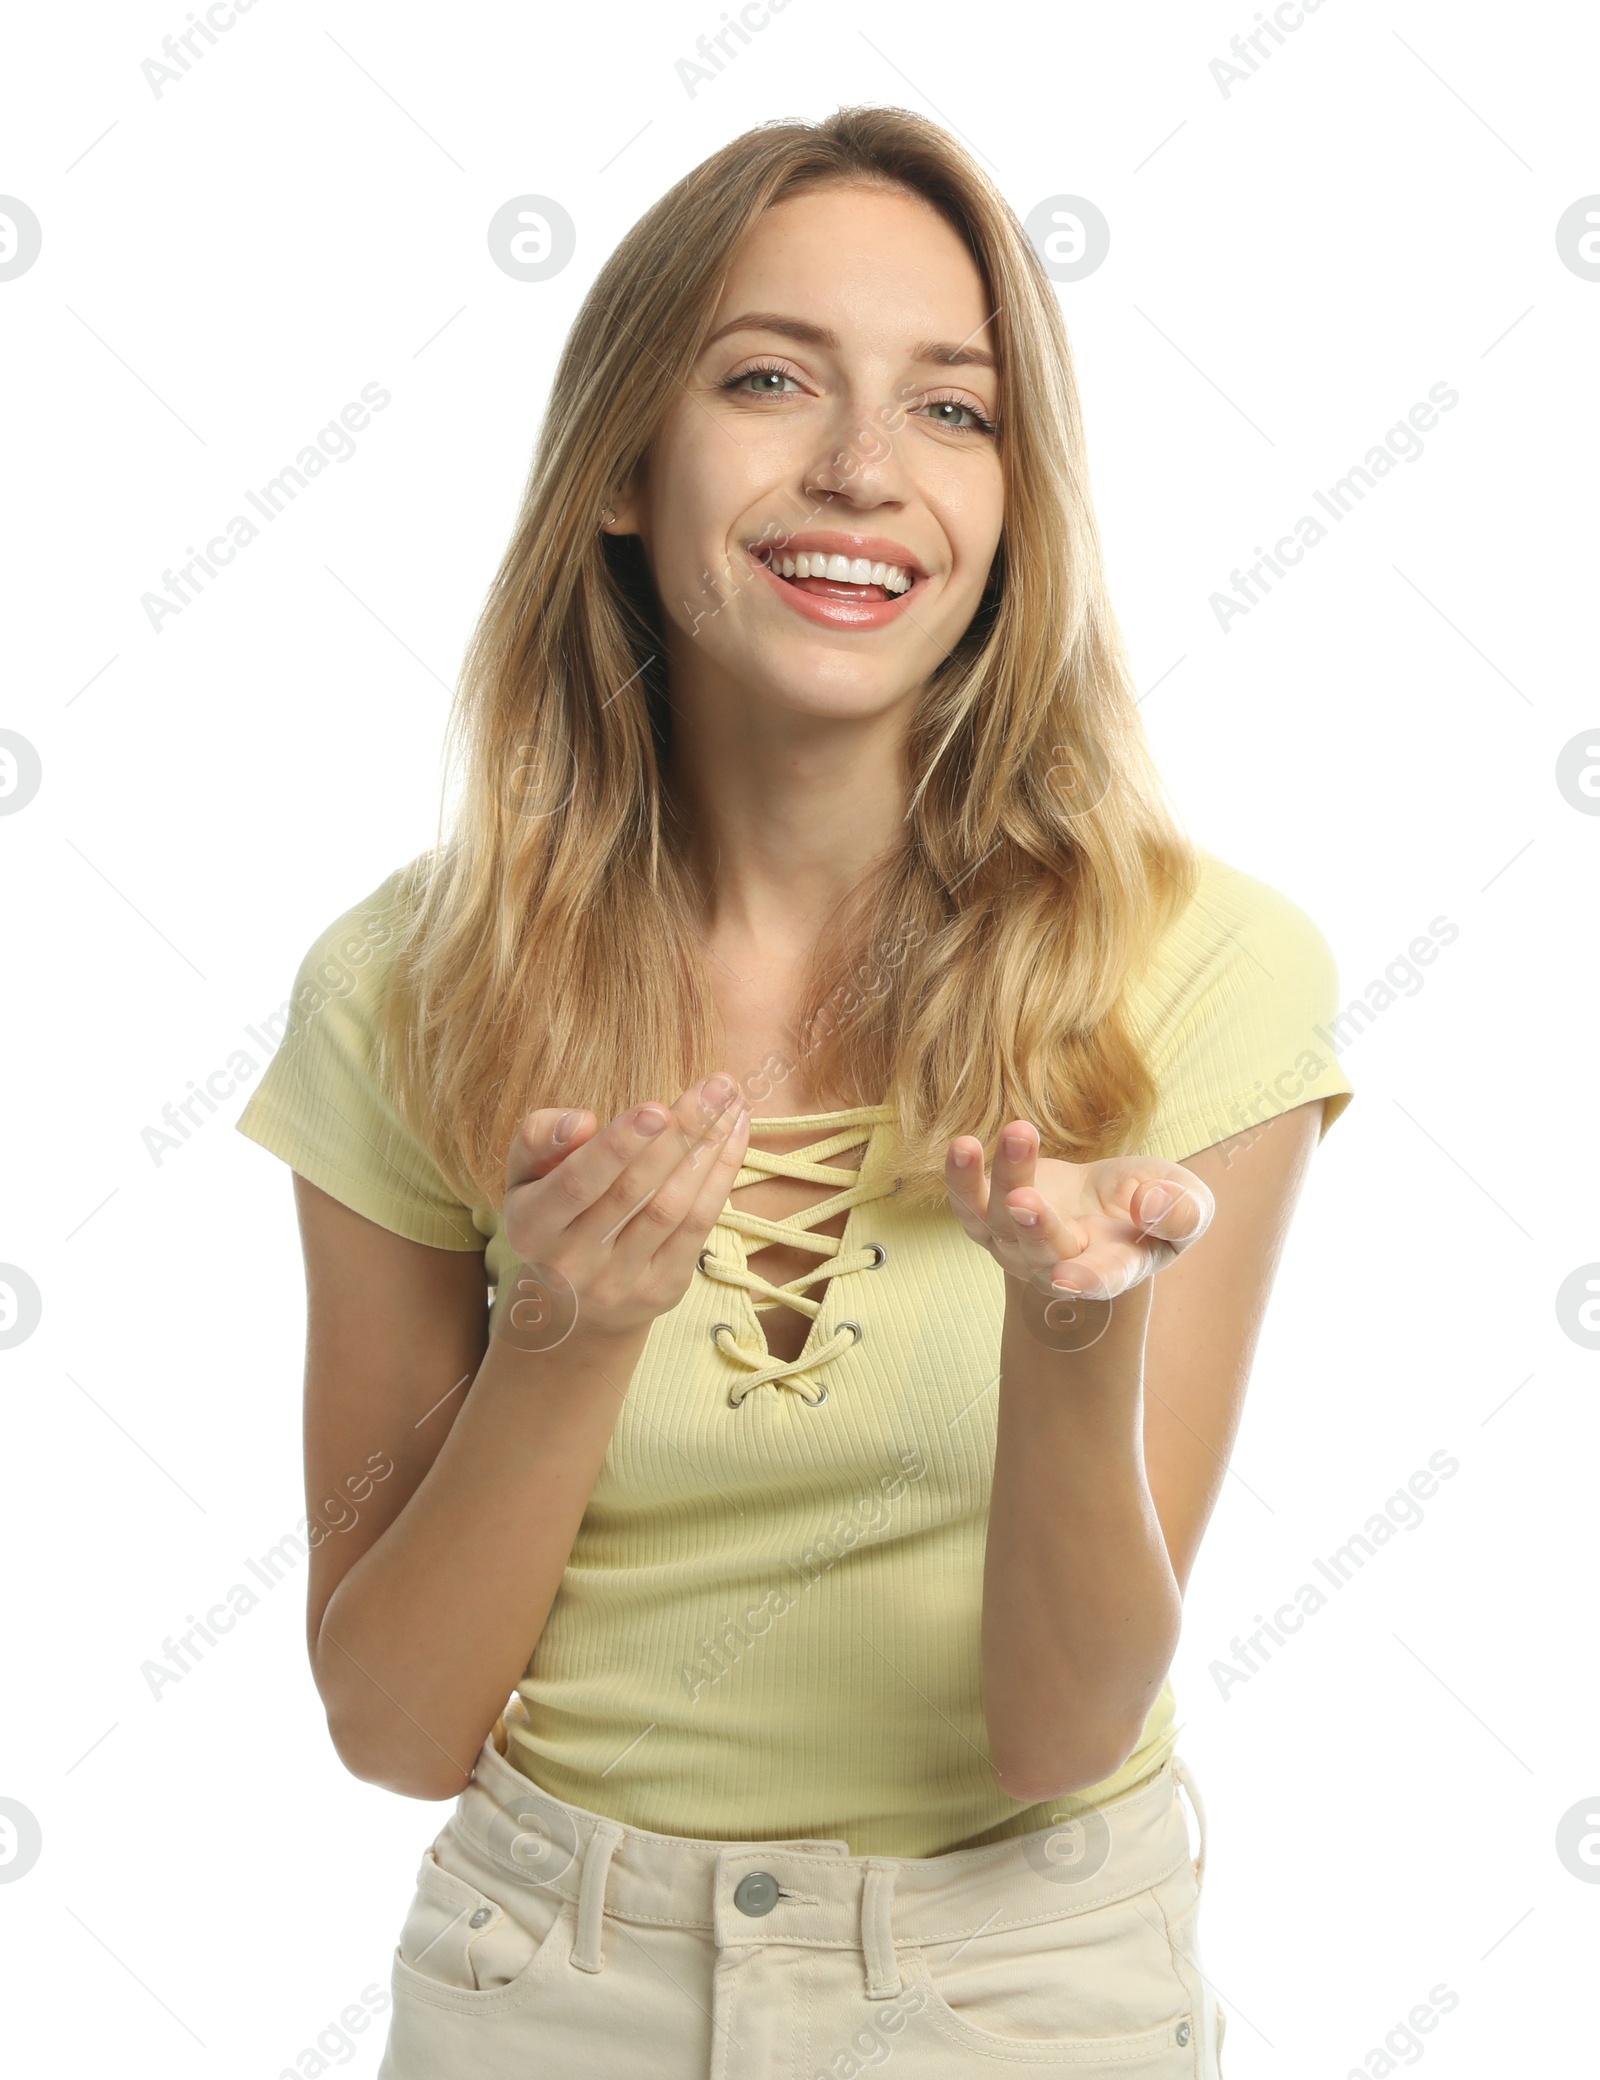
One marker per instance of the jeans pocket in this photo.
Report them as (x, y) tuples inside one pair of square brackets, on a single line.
[(471, 1932), (1096, 1988), (1178, 1898)]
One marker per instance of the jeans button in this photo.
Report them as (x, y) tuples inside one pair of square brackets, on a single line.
[(1183, 2032), (756, 1893)]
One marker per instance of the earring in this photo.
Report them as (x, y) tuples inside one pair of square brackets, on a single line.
[(607, 517)]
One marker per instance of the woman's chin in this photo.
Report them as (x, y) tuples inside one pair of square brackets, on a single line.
[(814, 679)]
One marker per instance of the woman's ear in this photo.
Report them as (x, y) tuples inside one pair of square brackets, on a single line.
[(622, 512)]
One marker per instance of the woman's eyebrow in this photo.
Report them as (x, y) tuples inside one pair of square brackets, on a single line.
[(933, 352)]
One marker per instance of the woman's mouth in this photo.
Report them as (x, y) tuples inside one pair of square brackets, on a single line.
[(834, 590), (840, 577)]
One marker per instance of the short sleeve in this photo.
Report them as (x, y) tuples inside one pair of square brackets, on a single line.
[(320, 1105), (1236, 1010)]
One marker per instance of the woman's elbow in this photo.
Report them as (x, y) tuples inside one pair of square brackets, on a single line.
[(1034, 1778), (408, 1776), (410, 1770)]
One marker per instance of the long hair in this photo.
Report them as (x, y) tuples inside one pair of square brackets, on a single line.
[(548, 951)]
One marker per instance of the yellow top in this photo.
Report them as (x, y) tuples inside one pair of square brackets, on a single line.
[(768, 1627)]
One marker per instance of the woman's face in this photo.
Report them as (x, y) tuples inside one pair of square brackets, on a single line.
[(843, 407)]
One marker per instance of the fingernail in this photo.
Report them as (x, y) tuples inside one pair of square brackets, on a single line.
[(961, 1157), (1025, 1215), (649, 1120), (1016, 1146), (1158, 1202), (716, 1091), (565, 1127)]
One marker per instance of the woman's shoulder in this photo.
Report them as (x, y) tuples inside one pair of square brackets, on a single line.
[(336, 996), (1234, 1010), (354, 950), (324, 1104), (1232, 921)]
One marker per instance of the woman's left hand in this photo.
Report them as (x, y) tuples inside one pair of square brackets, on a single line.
[(1098, 1229)]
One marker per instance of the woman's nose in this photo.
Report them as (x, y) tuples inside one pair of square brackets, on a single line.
[(860, 461)]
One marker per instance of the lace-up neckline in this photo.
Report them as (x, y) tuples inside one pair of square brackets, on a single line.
[(837, 1131)]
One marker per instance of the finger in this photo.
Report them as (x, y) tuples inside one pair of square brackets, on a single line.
[(1015, 1161), (1099, 1274), (1175, 1208), (1045, 1236), (617, 1176), (678, 1255), (554, 1183), (705, 1171), (535, 1151), (967, 1185)]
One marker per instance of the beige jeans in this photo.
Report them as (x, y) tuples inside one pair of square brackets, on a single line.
[(548, 1943)]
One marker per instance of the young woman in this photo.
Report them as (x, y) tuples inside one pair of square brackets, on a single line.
[(823, 1482)]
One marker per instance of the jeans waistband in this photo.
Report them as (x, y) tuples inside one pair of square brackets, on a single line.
[(814, 1893)]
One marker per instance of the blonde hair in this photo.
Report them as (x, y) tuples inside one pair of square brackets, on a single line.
[(548, 951)]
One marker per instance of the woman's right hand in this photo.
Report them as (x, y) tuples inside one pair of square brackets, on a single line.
[(608, 1225)]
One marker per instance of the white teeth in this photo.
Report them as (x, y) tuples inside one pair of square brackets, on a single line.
[(842, 570)]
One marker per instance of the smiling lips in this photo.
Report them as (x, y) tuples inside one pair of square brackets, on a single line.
[(840, 580)]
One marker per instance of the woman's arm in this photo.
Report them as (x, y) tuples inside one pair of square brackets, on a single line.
[(1108, 1463), (1206, 1317), (423, 1613), (425, 1610)]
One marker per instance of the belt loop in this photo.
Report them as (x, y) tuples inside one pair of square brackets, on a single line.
[(877, 1929), (592, 1896), (1180, 1770)]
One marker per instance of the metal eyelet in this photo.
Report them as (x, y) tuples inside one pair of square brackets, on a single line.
[(883, 1255), (700, 1261), (715, 1326), (850, 1325), (819, 1400)]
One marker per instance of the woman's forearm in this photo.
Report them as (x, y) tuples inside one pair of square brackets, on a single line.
[(423, 1640), (1081, 1609)]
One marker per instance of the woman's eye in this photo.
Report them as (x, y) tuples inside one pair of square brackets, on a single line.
[(760, 382), (973, 421)]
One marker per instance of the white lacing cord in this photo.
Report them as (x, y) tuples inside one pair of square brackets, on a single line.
[(768, 1370), (793, 1375)]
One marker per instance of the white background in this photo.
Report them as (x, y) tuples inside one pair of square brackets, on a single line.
[(1292, 265)]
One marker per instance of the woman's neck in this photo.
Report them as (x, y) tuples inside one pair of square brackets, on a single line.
[(788, 815)]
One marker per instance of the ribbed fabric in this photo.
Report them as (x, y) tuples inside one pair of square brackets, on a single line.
[(769, 1623)]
